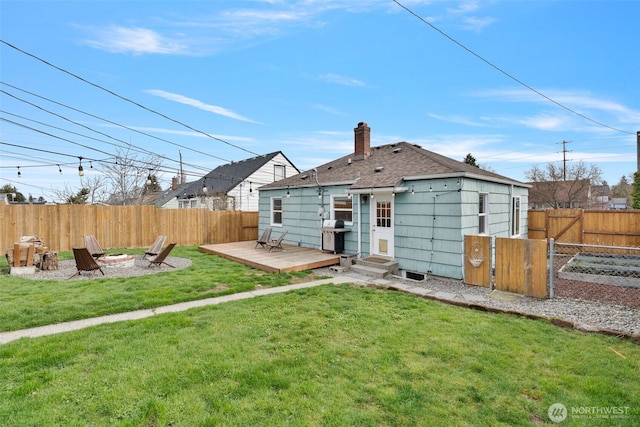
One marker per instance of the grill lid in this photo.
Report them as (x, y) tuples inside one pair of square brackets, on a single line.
[(333, 223)]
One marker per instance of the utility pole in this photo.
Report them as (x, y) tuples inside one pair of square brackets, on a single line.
[(564, 159)]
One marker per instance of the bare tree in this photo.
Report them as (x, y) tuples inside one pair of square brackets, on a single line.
[(128, 175), (554, 191)]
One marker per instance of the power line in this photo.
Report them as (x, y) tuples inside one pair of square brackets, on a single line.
[(137, 104), (105, 120), (510, 75)]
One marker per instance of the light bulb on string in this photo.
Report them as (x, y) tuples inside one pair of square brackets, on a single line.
[(80, 168), (19, 173), (60, 169)]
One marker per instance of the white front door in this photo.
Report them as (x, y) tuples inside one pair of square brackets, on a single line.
[(382, 225)]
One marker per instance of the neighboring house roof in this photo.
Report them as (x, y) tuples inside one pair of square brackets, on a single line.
[(222, 179), (559, 193), (172, 194), (387, 166)]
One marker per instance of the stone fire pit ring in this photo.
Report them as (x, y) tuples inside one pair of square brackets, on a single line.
[(117, 261)]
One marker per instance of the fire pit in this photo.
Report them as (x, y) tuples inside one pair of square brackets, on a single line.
[(117, 261)]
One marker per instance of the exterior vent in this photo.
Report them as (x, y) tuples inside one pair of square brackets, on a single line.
[(304, 177), (396, 150), (379, 169), (414, 276)]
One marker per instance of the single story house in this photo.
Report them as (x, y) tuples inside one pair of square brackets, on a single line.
[(397, 201), (232, 186)]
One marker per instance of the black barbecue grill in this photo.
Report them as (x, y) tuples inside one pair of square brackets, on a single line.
[(333, 235)]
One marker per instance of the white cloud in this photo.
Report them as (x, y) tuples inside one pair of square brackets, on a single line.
[(458, 120), (181, 99), (328, 109), (134, 40), (342, 80)]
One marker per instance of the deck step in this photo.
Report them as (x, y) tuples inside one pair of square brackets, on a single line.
[(376, 273), (376, 267)]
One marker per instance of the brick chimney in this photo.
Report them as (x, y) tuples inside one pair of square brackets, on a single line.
[(362, 140), (174, 183)]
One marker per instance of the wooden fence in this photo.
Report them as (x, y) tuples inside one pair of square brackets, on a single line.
[(61, 227), (591, 227), (520, 264)]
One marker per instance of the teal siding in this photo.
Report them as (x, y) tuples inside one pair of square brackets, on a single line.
[(427, 228), (431, 220)]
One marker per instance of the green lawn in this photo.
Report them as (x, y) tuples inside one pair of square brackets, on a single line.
[(325, 356), (26, 303), (329, 356)]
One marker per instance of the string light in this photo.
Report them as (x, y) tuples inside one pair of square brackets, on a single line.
[(60, 169), (19, 173), (204, 186), (288, 193), (80, 168)]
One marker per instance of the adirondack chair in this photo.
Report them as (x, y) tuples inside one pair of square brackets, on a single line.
[(277, 244), (156, 247), (160, 258), (264, 239), (85, 262), (92, 245)]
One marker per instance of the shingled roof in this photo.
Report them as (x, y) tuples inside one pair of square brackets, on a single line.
[(226, 177), (387, 166)]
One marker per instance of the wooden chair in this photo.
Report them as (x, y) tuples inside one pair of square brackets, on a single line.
[(85, 262), (264, 239), (160, 259), (92, 245), (156, 247), (277, 244)]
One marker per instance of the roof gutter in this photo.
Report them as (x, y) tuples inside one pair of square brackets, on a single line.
[(379, 190)]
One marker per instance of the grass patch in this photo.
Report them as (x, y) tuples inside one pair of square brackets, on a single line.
[(331, 355), (27, 303)]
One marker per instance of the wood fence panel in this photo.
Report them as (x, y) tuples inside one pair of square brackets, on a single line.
[(477, 255), (592, 227), (537, 224), (521, 266), (61, 227)]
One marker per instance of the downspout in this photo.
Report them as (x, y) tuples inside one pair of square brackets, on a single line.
[(359, 227)]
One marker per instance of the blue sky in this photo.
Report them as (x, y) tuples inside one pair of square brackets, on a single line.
[(297, 76)]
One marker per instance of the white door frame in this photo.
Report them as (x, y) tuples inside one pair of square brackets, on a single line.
[(382, 225)]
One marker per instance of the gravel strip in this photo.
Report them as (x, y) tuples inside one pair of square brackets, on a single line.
[(585, 313)]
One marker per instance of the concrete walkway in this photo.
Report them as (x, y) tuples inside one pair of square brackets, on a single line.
[(59, 328)]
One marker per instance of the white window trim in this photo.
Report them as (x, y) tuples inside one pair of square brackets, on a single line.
[(272, 211), (276, 168), (485, 214), (514, 218), (333, 208)]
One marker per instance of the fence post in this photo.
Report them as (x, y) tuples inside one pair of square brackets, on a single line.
[(552, 269)]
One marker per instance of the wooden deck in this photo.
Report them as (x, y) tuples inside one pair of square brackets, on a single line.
[(294, 258)]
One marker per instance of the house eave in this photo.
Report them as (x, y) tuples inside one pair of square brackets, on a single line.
[(479, 177)]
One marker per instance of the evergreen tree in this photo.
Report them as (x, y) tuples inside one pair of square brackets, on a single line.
[(635, 191), (470, 160)]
